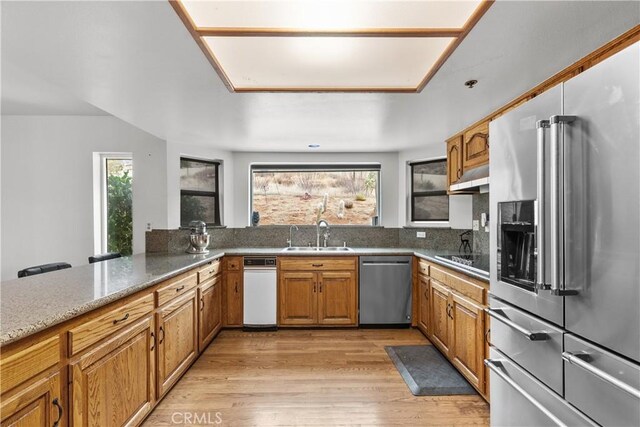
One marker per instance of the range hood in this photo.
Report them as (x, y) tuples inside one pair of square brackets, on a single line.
[(476, 179)]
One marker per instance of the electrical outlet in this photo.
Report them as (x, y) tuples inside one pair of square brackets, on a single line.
[(149, 226), (476, 225), (421, 234)]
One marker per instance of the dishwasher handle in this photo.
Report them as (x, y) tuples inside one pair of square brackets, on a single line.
[(391, 263)]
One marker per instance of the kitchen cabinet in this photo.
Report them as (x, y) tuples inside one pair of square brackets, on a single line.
[(455, 322), (317, 291), (210, 310), (440, 318), (467, 338), (177, 339), (113, 383), (475, 147), (454, 159), (467, 150), (424, 310), (232, 294), (38, 404), (297, 298)]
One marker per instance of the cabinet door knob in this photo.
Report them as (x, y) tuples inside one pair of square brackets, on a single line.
[(57, 404)]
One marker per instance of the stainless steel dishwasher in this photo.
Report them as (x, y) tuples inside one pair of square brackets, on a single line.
[(385, 290)]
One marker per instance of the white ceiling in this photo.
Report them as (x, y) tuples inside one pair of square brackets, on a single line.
[(137, 61)]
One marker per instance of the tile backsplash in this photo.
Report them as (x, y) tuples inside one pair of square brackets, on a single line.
[(174, 241)]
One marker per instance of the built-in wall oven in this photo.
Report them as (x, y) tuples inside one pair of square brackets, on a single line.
[(565, 275)]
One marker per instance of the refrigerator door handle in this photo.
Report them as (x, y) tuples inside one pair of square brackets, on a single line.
[(495, 365), (531, 336), (578, 359), (556, 124), (541, 126)]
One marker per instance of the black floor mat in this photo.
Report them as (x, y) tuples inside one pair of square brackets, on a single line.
[(427, 372)]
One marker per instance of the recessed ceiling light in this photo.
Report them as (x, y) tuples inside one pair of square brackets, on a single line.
[(328, 45), (314, 145), (470, 83)]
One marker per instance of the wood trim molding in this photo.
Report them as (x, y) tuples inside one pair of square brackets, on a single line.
[(614, 46), (191, 27), (343, 32), (458, 35)]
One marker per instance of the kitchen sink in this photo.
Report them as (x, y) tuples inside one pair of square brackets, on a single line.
[(320, 249)]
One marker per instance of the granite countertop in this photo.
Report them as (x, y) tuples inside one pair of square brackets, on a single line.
[(32, 304)]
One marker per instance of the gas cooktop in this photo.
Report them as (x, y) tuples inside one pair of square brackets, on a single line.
[(471, 261)]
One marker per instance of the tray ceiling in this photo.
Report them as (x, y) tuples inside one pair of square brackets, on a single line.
[(328, 46)]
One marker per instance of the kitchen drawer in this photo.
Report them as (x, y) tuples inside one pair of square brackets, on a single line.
[(18, 367), (177, 286), (106, 324), (604, 386), (317, 263), (233, 263), (423, 267), (519, 399), (540, 352), (459, 283), (209, 270)]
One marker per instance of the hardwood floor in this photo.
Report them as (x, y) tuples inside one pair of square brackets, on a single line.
[(308, 377)]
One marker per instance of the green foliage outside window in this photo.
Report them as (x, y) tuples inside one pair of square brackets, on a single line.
[(119, 213)]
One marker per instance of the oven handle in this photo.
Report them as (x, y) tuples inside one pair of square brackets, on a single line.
[(495, 365), (541, 126), (531, 336), (556, 123), (577, 360)]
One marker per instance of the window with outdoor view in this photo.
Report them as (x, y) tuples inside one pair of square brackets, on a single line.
[(303, 194), (117, 227), (429, 199), (199, 194)]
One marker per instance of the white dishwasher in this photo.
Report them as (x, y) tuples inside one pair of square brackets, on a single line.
[(260, 290)]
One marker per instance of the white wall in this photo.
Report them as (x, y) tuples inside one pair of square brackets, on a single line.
[(460, 207), (47, 186), (389, 178), (174, 151)]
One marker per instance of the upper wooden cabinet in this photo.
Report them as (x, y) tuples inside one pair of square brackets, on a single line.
[(466, 151), (317, 291), (454, 159), (475, 147)]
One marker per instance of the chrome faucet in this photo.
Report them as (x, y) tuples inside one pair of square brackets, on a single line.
[(290, 241), (324, 224)]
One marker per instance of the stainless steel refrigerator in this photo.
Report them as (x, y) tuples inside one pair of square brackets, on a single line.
[(565, 245)]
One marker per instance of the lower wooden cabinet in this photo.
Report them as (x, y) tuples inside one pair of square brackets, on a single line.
[(440, 318), (337, 298), (37, 404), (113, 384), (467, 338), (297, 298), (177, 339), (318, 298), (210, 311), (233, 298), (424, 308)]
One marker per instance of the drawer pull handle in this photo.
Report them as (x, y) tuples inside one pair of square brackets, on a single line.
[(57, 404), (236, 287), (531, 336), (449, 311), (320, 287), (180, 288), (126, 316), (496, 365), (210, 271), (162, 337), (201, 303), (579, 360), (153, 340), (317, 265)]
